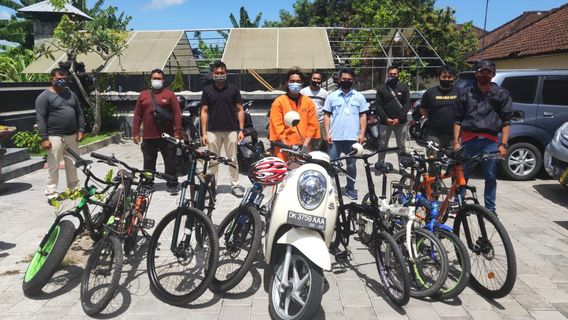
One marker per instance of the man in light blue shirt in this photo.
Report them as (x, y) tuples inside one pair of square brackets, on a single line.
[(345, 120)]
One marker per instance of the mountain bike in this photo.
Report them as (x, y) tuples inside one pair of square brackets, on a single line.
[(493, 264), (184, 250), (371, 226), (56, 242), (103, 269)]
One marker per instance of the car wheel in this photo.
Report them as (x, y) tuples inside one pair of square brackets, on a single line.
[(523, 162)]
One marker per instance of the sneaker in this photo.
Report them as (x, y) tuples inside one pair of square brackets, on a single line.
[(173, 190), (237, 192), (351, 193)]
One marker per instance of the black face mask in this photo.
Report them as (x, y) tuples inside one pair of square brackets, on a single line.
[(315, 84), (346, 84), (392, 82), (446, 84)]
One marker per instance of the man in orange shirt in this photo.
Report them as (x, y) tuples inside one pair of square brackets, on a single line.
[(308, 127)]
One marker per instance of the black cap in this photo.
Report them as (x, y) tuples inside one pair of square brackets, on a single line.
[(485, 64)]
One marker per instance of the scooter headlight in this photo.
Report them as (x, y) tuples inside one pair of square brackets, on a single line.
[(311, 189)]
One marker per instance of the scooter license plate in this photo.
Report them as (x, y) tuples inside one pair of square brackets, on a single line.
[(306, 220)]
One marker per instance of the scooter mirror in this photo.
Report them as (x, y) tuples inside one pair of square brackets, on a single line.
[(292, 118), (357, 149)]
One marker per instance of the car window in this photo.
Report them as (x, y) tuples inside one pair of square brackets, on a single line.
[(555, 91), (521, 89)]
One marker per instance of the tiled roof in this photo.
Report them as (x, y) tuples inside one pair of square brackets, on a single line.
[(529, 34), (46, 6)]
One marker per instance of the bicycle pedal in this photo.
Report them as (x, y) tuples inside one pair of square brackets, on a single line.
[(148, 223)]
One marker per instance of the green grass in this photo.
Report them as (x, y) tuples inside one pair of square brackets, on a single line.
[(89, 137)]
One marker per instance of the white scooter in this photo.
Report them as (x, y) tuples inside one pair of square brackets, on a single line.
[(302, 222)]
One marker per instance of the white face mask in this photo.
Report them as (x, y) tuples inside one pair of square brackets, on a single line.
[(157, 84)]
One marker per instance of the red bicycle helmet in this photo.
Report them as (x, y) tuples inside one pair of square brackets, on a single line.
[(268, 171)]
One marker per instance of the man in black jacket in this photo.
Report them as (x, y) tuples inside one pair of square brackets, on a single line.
[(393, 102), (483, 111)]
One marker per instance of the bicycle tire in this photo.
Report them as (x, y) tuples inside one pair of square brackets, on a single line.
[(421, 284), (392, 271), (208, 205), (156, 255), (226, 231), (114, 267), (488, 255), (44, 264), (459, 268)]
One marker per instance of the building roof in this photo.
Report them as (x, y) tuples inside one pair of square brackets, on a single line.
[(532, 33), (147, 50), (269, 49), (47, 7)]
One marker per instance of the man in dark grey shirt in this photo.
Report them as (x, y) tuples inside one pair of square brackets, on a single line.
[(61, 124)]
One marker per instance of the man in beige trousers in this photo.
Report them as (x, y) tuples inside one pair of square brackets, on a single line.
[(61, 125), (222, 121)]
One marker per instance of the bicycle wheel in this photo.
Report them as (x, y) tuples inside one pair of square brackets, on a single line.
[(493, 264), (48, 257), (427, 263), (182, 275), (459, 266), (240, 234), (392, 268), (102, 275)]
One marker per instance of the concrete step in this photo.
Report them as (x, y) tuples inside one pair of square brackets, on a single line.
[(15, 155), (21, 168)]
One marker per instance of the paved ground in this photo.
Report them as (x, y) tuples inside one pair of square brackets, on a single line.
[(533, 213)]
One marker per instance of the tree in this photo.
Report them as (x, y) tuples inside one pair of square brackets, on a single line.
[(19, 28), (84, 37), (244, 19), (14, 61)]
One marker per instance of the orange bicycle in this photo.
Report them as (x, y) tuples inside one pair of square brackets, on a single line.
[(493, 264)]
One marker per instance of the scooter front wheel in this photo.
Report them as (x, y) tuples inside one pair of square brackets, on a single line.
[(296, 288)]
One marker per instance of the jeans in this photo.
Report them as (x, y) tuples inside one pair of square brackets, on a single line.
[(150, 148), (475, 147), (335, 151), (385, 132)]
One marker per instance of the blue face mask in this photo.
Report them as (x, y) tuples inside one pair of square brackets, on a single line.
[(61, 83), (294, 87)]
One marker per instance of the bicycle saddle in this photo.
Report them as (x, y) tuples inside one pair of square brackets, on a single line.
[(383, 167), (406, 160)]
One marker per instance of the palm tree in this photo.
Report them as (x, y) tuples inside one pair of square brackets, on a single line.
[(244, 20)]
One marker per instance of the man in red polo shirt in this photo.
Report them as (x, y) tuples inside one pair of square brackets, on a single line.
[(483, 111), (152, 141)]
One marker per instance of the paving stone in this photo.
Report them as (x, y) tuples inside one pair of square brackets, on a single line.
[(235, 312), (447, 310), (422, 313), (533, 302), (553, 295), (548, 315), (359, 313), (479, 314)]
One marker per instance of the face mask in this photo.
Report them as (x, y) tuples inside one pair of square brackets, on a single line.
[(61, 83), (483, 80), (220, 78), (294, 87), (346, 84), (157, 84), (446, 83), (315, 84), (392, 82)]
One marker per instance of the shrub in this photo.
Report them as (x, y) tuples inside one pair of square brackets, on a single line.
[(28, 139)]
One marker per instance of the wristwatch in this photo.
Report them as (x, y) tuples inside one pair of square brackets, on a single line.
[(503, 144)]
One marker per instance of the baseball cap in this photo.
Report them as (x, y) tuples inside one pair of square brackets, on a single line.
[(485, 64)]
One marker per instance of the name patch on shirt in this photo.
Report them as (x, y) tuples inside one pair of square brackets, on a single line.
[(446, 97)]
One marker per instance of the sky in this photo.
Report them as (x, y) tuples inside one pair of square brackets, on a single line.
[(202, 14)]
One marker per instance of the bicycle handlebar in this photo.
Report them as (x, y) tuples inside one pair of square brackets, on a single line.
[(205, 155)]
